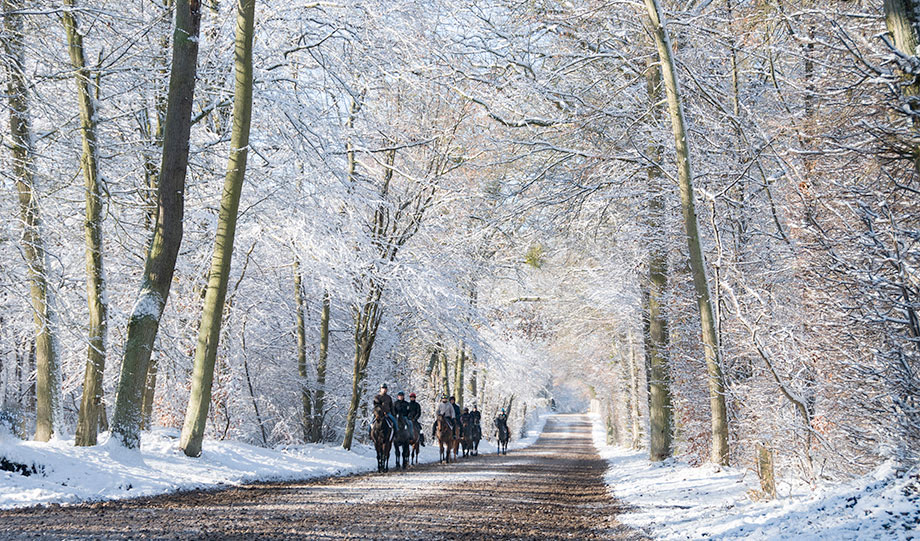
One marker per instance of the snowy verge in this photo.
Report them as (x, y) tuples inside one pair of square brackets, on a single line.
[(59, 472), (672, 500)]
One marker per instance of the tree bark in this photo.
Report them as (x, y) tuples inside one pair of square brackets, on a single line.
[(33, 248), (88, 417), (306, 399), (164, 248), (720, 450), (659, 389), (458, 375), (445, 373), (212, 312), (320, 394), (902, 18)]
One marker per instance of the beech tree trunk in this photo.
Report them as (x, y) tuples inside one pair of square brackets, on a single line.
[(319, 403), (301, 331), (47, 386), (88, 418), (367, 320), (720, 451), (164, 247), (458, 375), (658, 340), (445, 372), (902, 18), (196, 415)]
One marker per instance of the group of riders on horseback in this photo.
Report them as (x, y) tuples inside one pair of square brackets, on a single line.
[(396, 424)]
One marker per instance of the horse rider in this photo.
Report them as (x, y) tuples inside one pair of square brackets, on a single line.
[(385, 402), (466, 417), (445, 409), (475, 415), (502, 420), (453, 402), (413, 413), (401, 408)]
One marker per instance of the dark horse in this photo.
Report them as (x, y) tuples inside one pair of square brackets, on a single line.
[(445, 439), (477, 435), (382, 436), (503, 436), (406, 437), (466, 437), (413, 446)]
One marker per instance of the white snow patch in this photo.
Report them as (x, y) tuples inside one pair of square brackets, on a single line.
[(64, 473), (149, 304), (673, 500)]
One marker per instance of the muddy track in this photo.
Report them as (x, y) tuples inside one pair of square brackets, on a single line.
[(551, 490)]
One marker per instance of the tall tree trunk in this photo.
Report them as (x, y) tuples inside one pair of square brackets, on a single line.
[(902, 18), (164, 248), (150, 387), (658, 340), (474, 374), (458, 374), (634, 392), (301, 330), (720, 451), (196, 415), (320, 395), (47, 365), (154, 133), (445, 373), (88, 418), (367, 320)]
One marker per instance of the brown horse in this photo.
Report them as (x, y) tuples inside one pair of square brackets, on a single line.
[(458, 434), (445, 439), (414, 445), (382, 436)]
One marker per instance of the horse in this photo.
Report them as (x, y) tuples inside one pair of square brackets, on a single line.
[(503, 436), (405, 437), (466, 437), (477, 435), (445, 439), (414, 445), (382, 436), (458, 437)]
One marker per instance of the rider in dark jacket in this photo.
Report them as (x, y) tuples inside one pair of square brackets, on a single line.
[(453, 402), (385, 402), (414, 413), (466, 418), (502, 420), (401, 407), (476, 415)]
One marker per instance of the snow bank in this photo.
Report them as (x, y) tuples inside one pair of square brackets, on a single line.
[(672, 500), (58, 472)]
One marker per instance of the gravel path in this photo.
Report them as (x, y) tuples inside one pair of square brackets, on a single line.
[(553, 489)]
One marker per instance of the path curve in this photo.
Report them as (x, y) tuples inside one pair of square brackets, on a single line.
[(553, 489)]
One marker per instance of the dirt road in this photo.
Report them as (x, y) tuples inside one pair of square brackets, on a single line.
[(551, 490)]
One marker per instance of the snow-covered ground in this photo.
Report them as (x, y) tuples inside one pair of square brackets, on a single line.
[(672, 500), (62, 473)]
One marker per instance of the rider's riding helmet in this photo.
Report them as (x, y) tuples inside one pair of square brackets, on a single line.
[(411, 395)]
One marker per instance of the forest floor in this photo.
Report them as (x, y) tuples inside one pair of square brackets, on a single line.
[(554, 489)]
